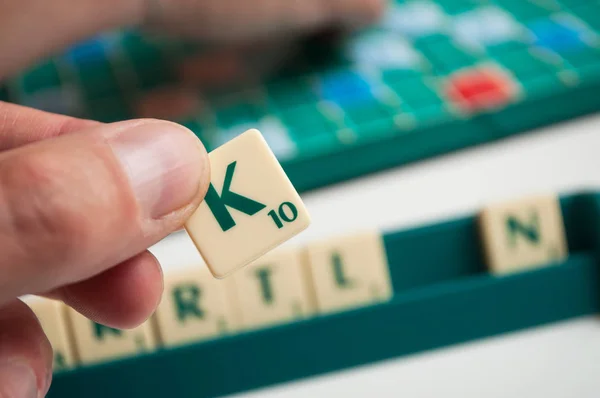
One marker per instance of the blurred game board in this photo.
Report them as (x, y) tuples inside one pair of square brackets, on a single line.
[(432, 77)]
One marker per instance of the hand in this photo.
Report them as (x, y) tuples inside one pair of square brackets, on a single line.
[(80, 202), (237, 19), (31, 29)]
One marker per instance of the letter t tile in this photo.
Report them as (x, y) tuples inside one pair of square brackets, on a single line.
[(250, 208)]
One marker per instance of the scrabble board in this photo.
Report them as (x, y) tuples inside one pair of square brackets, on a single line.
[(431, 77), (425, 288)]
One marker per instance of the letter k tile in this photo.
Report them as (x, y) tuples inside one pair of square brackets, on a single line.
[(250, 207)]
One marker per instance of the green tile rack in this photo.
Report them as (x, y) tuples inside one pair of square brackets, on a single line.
[(443, 295)]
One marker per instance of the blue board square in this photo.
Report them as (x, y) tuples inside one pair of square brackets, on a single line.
[(90, 51), (345, 88), (557, 36)]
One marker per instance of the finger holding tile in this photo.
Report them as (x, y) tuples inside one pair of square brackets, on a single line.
[(79, 204), (122, 296)]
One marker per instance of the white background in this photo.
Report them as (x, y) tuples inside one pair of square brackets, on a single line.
[(561, 360)]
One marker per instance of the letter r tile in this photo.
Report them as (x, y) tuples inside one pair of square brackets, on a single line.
[(250, 207)]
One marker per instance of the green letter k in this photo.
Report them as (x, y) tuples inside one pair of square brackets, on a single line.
[(218, 205)]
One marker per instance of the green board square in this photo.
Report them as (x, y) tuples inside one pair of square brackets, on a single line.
[(308, 126), (138, 46), (313, 140), (150, 64), (589, 13), (428, 114), (308, 130), (454, 7), (445, 55), (415, 92), (522, 63), (4, 96), (305, 114), (431, 41), (369, 121), (109, 109), (395, 75), (525, 10), (573, 3), (290, 94), (98, 79), (506, 47), (40, 77), (238, 113), (582, 57), (193, 125), (375, 130), (367, 113), (153, 74), (542, 85)]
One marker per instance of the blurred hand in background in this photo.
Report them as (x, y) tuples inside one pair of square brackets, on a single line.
[(31, 29)]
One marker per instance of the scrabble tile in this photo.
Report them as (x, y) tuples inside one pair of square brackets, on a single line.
[(523, 234), (52, 317), (195, 306), (250, 208), (98, 343), (349, 271), (273, 289)]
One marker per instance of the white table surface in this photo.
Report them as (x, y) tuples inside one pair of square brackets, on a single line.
[(561, 360)]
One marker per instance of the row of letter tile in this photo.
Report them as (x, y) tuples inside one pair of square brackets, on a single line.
[(287, 285), (281, 287)]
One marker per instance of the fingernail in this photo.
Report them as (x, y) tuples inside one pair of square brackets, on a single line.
[(17, 380), (165, 164)]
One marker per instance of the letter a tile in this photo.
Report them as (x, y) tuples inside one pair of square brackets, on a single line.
[(250, 208), (523, 234)]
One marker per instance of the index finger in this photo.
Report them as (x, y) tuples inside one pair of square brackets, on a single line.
[(20, 125)]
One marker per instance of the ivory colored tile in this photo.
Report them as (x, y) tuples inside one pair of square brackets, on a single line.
[(99, 343), (195, 306), (52, 317), (523, 234), (349, 271), (250, 208), (273, 289)]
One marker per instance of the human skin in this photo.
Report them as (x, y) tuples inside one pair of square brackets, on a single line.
[(81, 201)]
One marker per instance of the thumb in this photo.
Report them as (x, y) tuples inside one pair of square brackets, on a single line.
[(75, 205)]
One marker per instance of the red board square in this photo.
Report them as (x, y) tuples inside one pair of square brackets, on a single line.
[(478, 89)]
